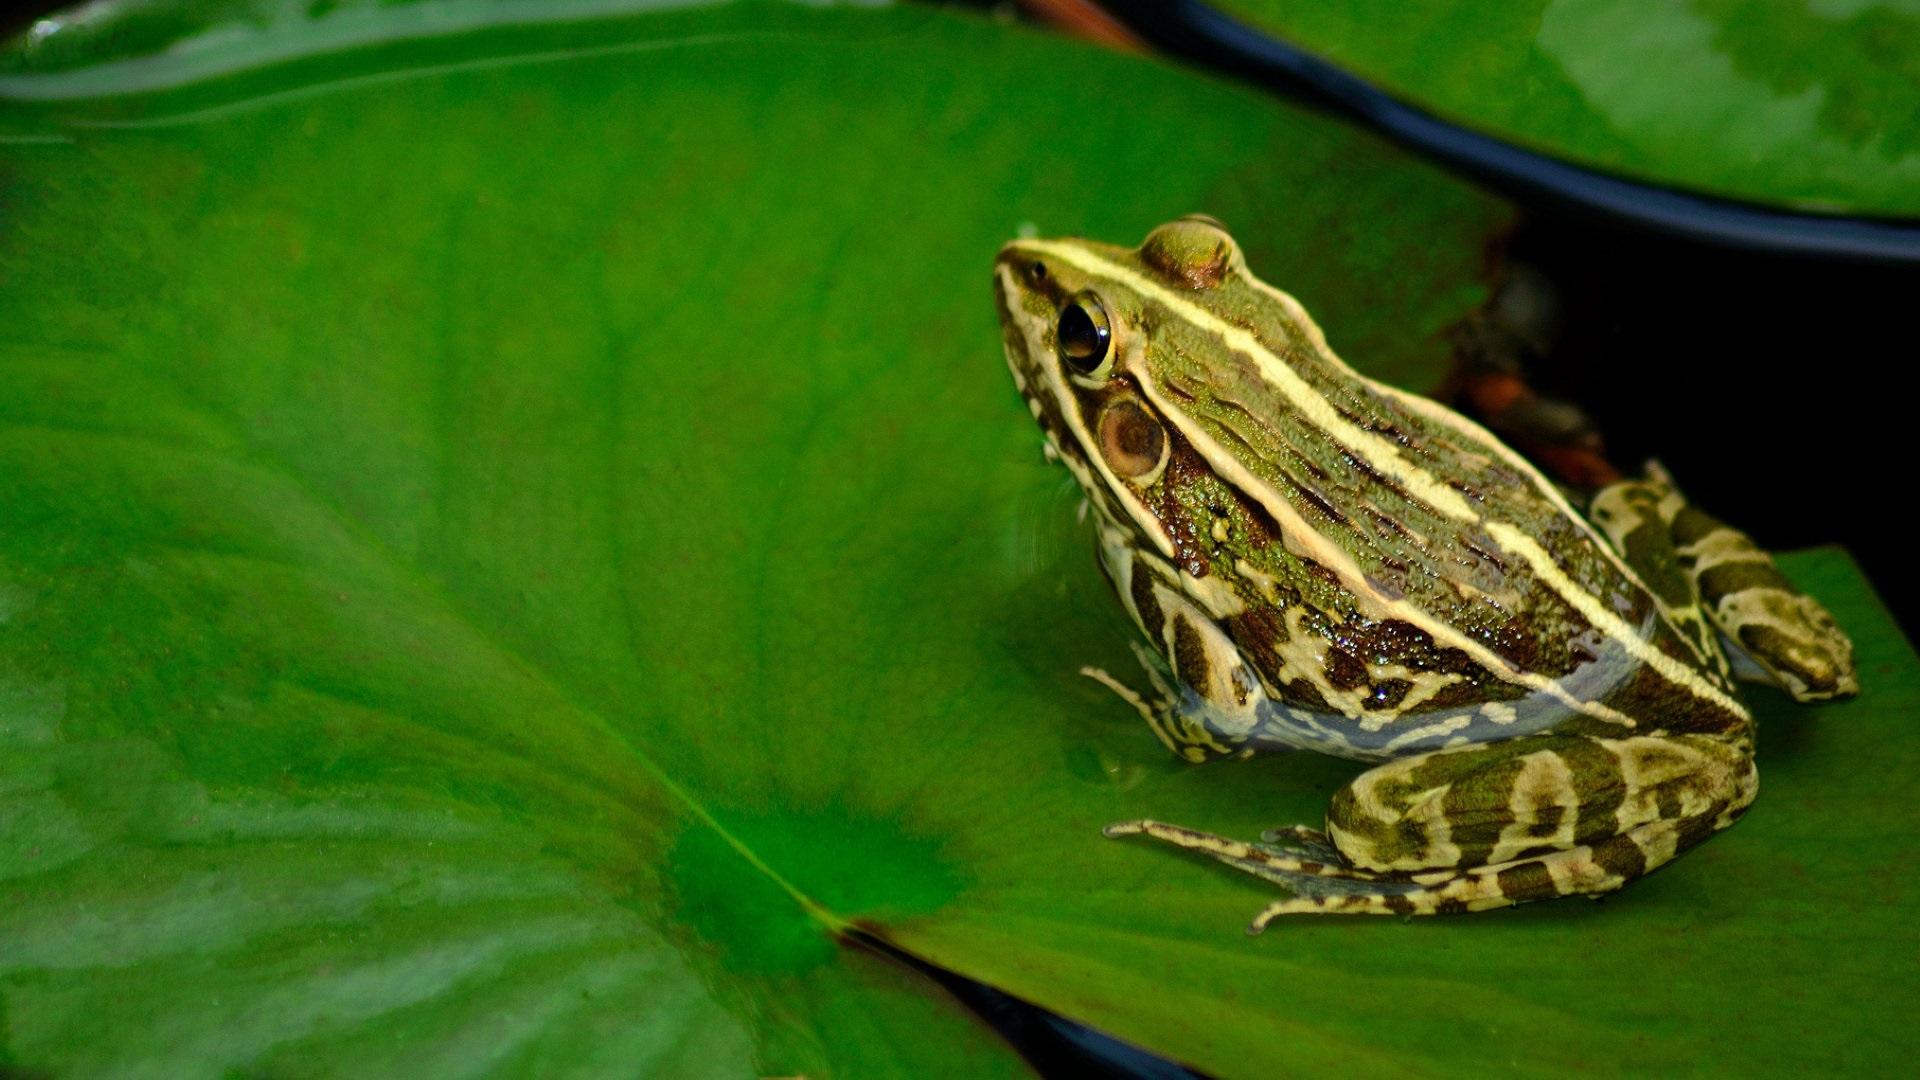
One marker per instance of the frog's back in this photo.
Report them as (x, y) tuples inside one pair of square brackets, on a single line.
[(1397, 566)]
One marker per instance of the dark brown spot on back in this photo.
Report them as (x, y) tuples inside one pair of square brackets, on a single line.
[(1621, 857), (1320, 503), (1183, 472), (1344, 670), (1388, 693), (1484, 555)]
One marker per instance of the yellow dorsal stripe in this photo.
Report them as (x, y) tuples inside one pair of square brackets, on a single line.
[(1584, 602), (1432, 410), (1377, 452), (1386, 459), (1307, 541), (1440, 414), (1437, 413), (1609, 623)]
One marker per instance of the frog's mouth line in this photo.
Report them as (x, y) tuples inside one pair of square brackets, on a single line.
[(1022, 333), (1029, 375)]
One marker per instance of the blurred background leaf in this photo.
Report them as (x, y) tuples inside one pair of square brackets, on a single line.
[(1803, 104)]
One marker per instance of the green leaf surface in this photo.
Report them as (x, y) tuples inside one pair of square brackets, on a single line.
[(513, 541), (1810, 104)]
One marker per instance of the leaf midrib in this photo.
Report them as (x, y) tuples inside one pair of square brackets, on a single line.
[(434, 592)]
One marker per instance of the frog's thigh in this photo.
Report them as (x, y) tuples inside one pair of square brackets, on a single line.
[(1637, 518), (1787, 633), (1587, 870), (1511, 806), (1790, 638), (1497, 824)]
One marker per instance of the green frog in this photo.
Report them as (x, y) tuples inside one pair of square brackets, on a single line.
[(1319, 560)]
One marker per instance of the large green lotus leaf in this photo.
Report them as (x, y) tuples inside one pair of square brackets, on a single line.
[(514, 544), (1808, 103)]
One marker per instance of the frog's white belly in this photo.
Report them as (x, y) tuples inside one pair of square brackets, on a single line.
[(1243, 706), (1369, 739)]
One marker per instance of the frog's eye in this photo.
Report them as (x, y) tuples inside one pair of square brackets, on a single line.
[(1132, 441), (1084, 335)]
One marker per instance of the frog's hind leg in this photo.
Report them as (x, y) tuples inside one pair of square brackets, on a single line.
[(1791, 638), (1536, 817), (1286, 864), (1580, 871), (1334, 887), (1692, 561), (1488, 826)]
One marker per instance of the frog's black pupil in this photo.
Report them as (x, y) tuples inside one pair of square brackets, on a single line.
[(1083, 335)]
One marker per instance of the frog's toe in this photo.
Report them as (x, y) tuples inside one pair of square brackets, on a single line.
[(1332, 903), (1295, 834), (1434, 895), (1294, 868), (1301, 841), (1588, 870)]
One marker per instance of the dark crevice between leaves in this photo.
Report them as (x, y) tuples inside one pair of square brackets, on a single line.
[(1054, 1045)]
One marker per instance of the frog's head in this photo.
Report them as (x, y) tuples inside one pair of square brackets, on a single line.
[(1081, 327)]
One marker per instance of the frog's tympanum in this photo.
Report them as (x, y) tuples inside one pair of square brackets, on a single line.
[(1321, 561)]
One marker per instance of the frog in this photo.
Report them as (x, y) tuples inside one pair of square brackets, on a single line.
[(1541, 681)]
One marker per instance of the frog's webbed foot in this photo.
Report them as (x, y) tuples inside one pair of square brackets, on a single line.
[(1300, 840), (1489, 826), (1580, 871), (1697, 563), (1283, 864), (1321, 880)]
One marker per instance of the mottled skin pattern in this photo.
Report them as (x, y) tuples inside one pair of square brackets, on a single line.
[(1318, 560), (1733, 585)]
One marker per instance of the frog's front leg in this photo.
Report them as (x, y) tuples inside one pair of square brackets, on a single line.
[(1487, 826), (1207, 700)]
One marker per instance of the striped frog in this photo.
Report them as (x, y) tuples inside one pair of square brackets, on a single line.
[(1318, 560)]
